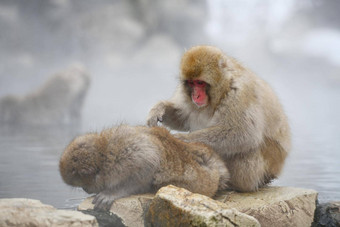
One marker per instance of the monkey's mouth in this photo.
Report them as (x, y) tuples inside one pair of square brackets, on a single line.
[(199, 102), (199, 97)]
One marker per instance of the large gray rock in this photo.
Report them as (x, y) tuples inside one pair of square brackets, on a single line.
[(127, 211), (327, 214), (174, 206), (275, 206), (29, 212)]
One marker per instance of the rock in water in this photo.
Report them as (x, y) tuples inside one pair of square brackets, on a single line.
[(327, 214), (29, 212)]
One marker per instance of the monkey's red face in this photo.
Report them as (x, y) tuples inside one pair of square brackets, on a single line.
[(198, 92)]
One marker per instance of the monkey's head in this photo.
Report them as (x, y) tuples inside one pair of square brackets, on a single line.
[(81, 162), (204, 74)]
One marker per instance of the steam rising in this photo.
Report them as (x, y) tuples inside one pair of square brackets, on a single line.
[(132, 51)]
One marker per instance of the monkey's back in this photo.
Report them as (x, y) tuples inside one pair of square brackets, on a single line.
[(263, 105), (193, 166), (277, 137)]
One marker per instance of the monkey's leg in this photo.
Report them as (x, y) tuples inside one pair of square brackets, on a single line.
[(247, 172), (105, 199)]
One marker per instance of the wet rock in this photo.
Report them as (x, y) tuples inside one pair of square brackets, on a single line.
[(106, 219), (58, 101), (174, 206), (275, 206), (29, 212), (127, 211), (327, 214)]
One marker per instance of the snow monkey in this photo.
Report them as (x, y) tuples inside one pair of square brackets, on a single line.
[(58, 101), (226, 106), (127, 160)]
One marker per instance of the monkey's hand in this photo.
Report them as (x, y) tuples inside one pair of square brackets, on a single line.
[(103, 201), (156, 114)]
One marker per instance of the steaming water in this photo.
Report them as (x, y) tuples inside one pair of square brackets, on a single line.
[(314, 114), (29, 166), (29, 156), (128, 79)]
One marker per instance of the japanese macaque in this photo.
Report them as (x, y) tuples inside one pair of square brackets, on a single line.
[(57, 102), (127, 160), (224, 105)]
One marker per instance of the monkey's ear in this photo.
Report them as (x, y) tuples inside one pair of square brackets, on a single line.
[(225, 64)]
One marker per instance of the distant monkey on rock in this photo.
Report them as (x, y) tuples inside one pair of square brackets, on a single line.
[(127, 160), (57, 102), (226, 106)]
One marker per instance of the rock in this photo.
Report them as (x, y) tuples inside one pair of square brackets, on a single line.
[(106, 218), (174, 206), (29, 212), (275, 206), (327, 214), (127, 211)]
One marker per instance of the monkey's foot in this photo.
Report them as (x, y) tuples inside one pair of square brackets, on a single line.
[(103, 201)]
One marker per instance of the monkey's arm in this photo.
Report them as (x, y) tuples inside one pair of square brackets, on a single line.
[(226, 140), (105, 199), (169, 115)]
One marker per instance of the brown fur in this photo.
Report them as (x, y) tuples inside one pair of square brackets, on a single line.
[(243, 121), (128, 160)]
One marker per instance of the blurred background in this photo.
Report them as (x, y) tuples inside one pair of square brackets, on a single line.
[(130, 52)]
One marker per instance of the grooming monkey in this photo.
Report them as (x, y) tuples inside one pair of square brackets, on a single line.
[(226, 106), (127, 160)]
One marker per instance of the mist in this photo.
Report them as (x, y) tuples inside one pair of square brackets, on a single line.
[(131, 50)]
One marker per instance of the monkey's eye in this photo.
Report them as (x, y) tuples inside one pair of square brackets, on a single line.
[(199, 83), (190, 83)]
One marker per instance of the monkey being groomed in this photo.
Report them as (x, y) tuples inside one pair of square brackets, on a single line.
[(226, 106), (127, 160)]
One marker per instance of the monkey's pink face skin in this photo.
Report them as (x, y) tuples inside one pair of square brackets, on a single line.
[(198, 94)]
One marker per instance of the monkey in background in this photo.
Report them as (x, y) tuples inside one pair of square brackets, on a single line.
[(127, 160), (226, 106), (57, 102)]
